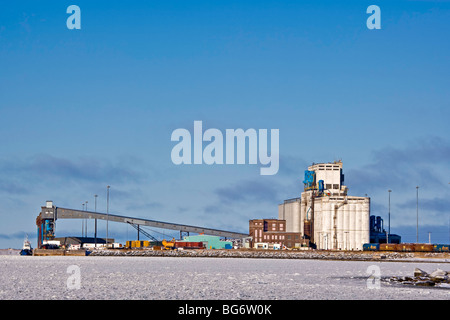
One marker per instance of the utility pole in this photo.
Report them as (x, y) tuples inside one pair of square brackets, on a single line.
[(107, 212), (417, 219), (86, 222), (82, 224), (95, 227)]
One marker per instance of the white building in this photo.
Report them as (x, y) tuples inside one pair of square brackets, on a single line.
[(328, 216)]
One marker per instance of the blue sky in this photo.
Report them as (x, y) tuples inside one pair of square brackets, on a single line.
[(81, 109)]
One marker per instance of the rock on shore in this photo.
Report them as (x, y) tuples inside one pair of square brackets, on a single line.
[(438, 278)]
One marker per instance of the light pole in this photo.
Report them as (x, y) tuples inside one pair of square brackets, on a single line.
[(95, 227), (417, 219), (82, 224), (389, 213), (85, 224), (107, 212)]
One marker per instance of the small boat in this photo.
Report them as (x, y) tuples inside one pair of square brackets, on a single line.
[(26, 249)]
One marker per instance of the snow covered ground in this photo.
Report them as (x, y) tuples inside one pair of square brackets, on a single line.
[(28, 277)]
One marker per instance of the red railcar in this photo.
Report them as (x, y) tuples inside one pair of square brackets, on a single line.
[(405, 247), (189, 245), (388, 247), (423, 247)]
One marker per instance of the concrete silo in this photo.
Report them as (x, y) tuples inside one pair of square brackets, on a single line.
[(325, 213)]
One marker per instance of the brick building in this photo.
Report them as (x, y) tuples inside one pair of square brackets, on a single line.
[(273, 231)]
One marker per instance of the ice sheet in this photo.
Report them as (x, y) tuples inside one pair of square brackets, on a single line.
[(28, 277)]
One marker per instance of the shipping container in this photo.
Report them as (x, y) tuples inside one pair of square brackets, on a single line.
[(135, 244), (441, 248)]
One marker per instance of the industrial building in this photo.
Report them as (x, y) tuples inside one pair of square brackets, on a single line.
[(324, 217), (378, 234), (273, 231), (325, 213), (46, 225), (211, 242), (82, 241)]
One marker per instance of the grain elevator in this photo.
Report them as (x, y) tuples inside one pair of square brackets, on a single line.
[(325, 214)]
